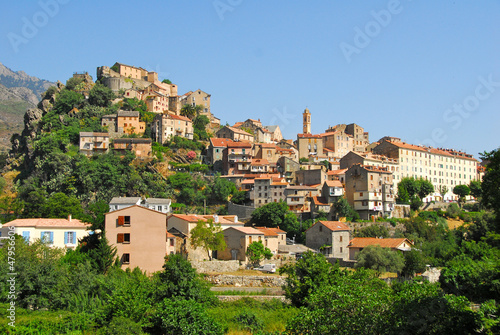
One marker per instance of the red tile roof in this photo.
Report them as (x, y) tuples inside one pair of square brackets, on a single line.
[(362, 242), (220, 142), (335, 225), (259, 162), (336, 172), (270, 231), (308, 136), (333, 183), (47, 223), (319, 201), (247, 230)]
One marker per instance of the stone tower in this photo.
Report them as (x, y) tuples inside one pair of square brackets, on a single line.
[(307, 122)]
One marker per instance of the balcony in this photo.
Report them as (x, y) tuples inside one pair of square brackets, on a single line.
[(295, 201), (368, 196)]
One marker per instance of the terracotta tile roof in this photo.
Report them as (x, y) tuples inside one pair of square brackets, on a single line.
[(362, 242), (336, 172), (247, 182), (179, 117), (226, 219), (335, 225), (308, 136), (259, 162), (279, 183), (239, 144), (238, 131), (333, 183), (270, 231), (319, 201), (47, 223), (246, 230), (266, 145), (378, 169), (237, 124), (301, 187), (219, 142)]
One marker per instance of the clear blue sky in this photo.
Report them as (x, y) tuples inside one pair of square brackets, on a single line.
[(399, 76)]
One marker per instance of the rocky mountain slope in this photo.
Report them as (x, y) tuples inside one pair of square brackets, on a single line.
[(18, 91)]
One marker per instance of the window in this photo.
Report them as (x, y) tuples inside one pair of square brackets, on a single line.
[(340, 249), (47, 237), (26, 236), (160, 208), (340, 239), (320, 228), (125, 258), (70, 237), (249, 239), (172, 241), (124, 220)]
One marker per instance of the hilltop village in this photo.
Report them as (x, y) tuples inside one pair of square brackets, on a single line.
[(120, 192), (310, 174)]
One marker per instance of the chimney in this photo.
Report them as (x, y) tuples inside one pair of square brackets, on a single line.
[(236, 219), (216, 218), (69, 217)]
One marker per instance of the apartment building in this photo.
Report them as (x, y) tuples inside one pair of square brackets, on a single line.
[(444, 168), (267, 189), (93, 143), (140, 237), (298, 198), (196, 98), (237, 157), (141, 147), (166, 126), (370, 191), (123, 122), (338, 143)]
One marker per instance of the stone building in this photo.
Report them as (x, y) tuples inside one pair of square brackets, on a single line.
[(331, 238)]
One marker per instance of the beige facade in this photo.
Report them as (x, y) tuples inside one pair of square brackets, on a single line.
[(237, 240), (140, 146), (360, 137), (237, 158), (92, 142), (156, 102), (140, 237), (234, 134), (370, 191), (184, 223), (443, 168), (275, 131), (309, 145), (338, 143), (57, 233), (196, 98), (124, 122), (166, 126), (268, 189), (367, 158), (273, 238), (310, 177), (331, 238), (298, 198)]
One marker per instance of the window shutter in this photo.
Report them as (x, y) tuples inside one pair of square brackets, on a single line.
[(51, 238), (121, 220), (73, 238), (66, 237), (119, 238)]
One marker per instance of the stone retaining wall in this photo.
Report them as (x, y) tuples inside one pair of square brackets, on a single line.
[(246, 281), (216, 266)]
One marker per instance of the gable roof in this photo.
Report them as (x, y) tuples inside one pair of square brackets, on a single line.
[(124, 200), (270, 231), (335, 225), (333, 183), (136, 206), (246, 230), (47, 223), (362, 242), (319, 201)]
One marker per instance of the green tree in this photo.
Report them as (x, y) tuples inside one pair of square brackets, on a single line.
[(66, 100), (414, 263), (59, 205), (134, 104), (425, 188), (356, 303), (462, 191), (72, 83), (342, 209), (380, 259), (199, 127), (191, 111), (208, 235), (374, 230), (166, 81), (184, 317), (101, 95), (222, 189), (307, 276), (270, 215), (179, 281), (443, 190), (257, 252), (475, 188)]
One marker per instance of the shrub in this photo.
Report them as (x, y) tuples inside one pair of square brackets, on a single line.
[(249, 321), (453, 210)]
